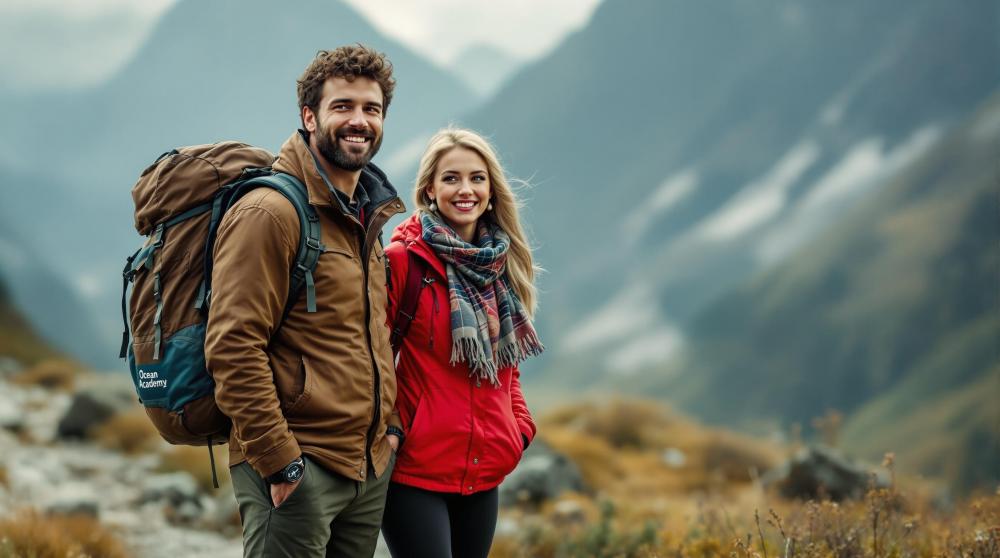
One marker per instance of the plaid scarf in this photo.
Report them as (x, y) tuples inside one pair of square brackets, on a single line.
[(489, 328)]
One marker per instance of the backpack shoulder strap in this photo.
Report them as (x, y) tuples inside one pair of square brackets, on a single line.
[(310, 246), (416, 271)]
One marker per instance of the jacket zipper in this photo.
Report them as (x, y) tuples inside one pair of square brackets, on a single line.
[(427, 283), (376, 215)]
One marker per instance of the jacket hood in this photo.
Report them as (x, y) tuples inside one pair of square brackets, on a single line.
[(409, 230), (410, 233), (295, 158)]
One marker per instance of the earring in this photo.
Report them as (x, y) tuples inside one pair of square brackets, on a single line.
[(489, 206), (433, 207)]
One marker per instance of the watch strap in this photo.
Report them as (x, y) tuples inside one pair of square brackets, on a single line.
[(282, 476), (396, 431)]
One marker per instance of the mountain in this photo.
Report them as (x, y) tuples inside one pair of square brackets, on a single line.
[(677, 148), (17, 338), (891, 317), (40, 314), (484, 67), (210, 70)]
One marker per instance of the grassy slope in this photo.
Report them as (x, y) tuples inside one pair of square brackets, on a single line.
[(892, 315), (17, 340), (934, 423)]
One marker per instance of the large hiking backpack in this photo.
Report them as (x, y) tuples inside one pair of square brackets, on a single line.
[(179, 201)]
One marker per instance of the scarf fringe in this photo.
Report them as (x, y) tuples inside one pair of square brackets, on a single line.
[(470, 350), (523, 347)]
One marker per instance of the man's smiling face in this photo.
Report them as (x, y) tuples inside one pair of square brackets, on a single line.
[(348, 126)]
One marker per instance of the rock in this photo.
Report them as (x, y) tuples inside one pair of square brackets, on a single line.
[(93, 405), (542, 475), (11, 415), (507, 526), (674, 458), (88, 508), (568, 512), (175, 489), (9, 367), (819, 471), (165, 541)]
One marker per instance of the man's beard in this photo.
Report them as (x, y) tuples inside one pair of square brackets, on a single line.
[(330, 149)]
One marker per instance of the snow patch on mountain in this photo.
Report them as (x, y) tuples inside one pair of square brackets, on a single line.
[(649, 349), (628, 313), (668, 194), (865, 166), (761, 200)]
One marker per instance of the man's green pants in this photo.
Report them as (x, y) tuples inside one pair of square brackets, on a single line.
[(327, 514)]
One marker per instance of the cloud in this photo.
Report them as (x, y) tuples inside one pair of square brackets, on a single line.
[(441, 29), (46, 44), (58, 43)]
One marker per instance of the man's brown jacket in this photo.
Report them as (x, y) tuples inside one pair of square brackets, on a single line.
[(323, 383)]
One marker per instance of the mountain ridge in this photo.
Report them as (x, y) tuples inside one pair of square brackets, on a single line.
[(891, 314)]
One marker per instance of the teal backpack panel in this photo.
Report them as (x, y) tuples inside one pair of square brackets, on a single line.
[(179, 376)]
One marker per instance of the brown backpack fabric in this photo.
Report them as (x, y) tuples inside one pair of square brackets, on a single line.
[(179, 201)]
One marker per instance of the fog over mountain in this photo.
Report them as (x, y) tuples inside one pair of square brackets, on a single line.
[(484, 67)]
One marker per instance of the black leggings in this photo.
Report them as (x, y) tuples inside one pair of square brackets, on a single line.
[(419, 523)]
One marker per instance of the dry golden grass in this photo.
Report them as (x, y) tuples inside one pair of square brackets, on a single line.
[(885, 524), (28, 534), (709, 504), (620, 448), (55, 374), (130, 432), (195, 460), (597, 460)]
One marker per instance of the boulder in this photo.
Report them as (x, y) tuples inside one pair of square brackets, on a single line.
[(176, 489), (674, 458), (87, 508), (541, 475), (11, 414), (9, 367), (93, 404), (818, 471)]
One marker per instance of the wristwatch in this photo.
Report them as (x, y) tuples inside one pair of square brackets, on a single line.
[(291, 474), (396, 431)]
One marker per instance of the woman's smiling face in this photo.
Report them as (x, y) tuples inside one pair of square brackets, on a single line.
[(461, 190)]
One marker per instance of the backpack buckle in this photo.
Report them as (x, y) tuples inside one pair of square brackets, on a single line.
[(315, 244), (158, 236), (254, 172)]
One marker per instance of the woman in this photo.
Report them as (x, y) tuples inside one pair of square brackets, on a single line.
[(461, 423)]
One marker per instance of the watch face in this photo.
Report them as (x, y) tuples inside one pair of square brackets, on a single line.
[(294, 472)]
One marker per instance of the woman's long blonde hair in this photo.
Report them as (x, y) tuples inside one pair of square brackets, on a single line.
[(521, 268)]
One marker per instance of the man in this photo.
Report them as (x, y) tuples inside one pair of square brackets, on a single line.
[(309, 396)]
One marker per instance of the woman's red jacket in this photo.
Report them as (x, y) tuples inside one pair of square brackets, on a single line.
[(460, 436)]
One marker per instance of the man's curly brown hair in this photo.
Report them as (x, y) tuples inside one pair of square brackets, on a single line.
[(348, 62)]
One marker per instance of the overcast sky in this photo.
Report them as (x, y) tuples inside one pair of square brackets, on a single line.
[(44, 43)]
